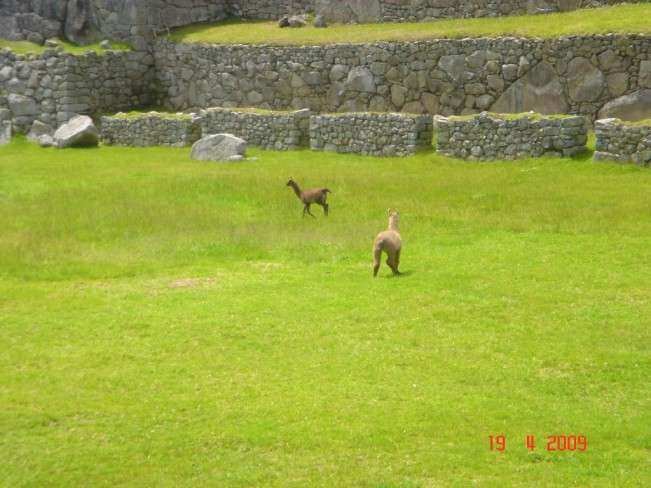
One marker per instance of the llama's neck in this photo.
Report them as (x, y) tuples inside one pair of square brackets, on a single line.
[(393, 224), (296, 189)]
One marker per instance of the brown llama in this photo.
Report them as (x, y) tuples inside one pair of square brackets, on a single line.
[(390, 242), (308, 197)]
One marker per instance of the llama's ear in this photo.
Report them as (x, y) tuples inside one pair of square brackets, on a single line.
[(388, 211)]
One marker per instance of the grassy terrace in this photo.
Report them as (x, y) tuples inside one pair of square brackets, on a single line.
[(168, 322), (616, 19), (25, 47)]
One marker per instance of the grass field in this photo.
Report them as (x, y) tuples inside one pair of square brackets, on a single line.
[(616, 19), (26, 47), (168, 322)]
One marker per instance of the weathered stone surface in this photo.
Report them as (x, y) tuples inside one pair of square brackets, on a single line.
[(349, 11), (151, 129), (618, 141), (39, 129), (645, 74), (636, 106), (269, 129), (540, 90), (490, 136), (218, 147), (360, 79), (5, 132), (617, 83), (21, 105), (297, 21), (80, 131), (387, 134), (454, 65), (585, 81), (320, 21)]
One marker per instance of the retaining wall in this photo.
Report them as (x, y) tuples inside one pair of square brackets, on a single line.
[(375, 134), (494, 136), (623, 142), (577, 74), (151, 129), (55, 86), (266, 129)]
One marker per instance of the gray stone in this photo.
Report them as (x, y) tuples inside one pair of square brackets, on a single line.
[(398, 94), (283, 22), (45, 140), (635, 106), (644, 77), (297, 21), (80, 131), (539, 90), (585, 81), (454, 65), (5, 132), (105, 44), (617, 83), (320, 21), (39, 129), (21, 105), (218, 147), (360, 79), (349, 11)]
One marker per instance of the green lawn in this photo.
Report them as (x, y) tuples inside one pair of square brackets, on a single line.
[(169, 322), (26, 47), (616, 19)]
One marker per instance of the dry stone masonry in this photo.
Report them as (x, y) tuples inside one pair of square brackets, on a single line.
[(494, 136), (578, 74), (623, 141), (372, 134), (54, 87), (150, 129), (263, 128)]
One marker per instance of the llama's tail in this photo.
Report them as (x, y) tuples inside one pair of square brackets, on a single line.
[(326, 190)]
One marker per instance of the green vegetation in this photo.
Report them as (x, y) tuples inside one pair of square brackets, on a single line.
[(616, 19), (169, 322), (514, 116), (138, 114), (25, 47)]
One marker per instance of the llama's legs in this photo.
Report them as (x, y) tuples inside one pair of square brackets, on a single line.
[(377, 256), (397, 262), (325, 209), (392, 262), (307, 209)]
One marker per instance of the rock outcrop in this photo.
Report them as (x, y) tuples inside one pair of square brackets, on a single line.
[(80, 131), (219, 147)]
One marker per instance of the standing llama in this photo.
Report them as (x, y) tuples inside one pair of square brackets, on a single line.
[(390, 242), (308, 197)]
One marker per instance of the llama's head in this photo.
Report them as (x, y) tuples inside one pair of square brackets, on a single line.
[(291, 182), (394, 218)]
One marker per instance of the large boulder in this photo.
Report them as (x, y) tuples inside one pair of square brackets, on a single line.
[(636, 106), (5, 132), (77, 132), (539, 90), (219, 147)]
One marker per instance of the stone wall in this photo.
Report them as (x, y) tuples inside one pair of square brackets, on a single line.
[(624, 142), (54, 86), (374, 134), (267, 129), (150, 129), (577, 74), (418, 10), (492, 136)]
